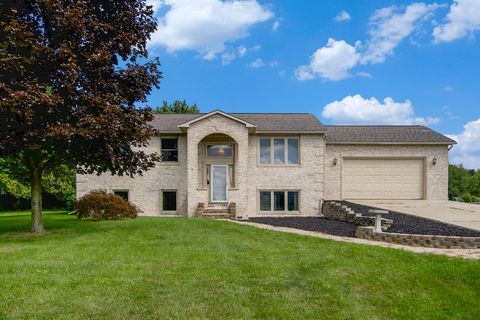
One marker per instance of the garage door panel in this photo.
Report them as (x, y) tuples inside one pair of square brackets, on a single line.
[(382, 179)]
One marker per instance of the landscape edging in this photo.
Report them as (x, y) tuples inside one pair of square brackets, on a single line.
[(418, 240)]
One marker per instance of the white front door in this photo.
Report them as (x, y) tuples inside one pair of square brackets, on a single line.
[(219, 183)]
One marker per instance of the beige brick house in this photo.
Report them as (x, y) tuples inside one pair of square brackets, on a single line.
[(278, 164)]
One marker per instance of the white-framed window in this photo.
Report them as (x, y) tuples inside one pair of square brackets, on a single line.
[(279, 200), (169, 149), (279, 150), (169, 200)]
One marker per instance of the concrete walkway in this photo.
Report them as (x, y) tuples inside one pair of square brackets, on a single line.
[(456, 253), (458, 213)]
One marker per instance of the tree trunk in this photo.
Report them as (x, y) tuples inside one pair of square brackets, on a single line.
[(36, 184)]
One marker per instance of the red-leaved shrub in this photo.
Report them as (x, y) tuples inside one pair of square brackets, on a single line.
[(101, 205)]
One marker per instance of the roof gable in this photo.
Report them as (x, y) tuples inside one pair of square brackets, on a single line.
[(262, 122), (216, 112)]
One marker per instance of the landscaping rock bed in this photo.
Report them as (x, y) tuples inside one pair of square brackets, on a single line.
[(408, 224), (319, 224)]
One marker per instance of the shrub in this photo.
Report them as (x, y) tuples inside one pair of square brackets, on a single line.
[(101, 205), (467, 198)]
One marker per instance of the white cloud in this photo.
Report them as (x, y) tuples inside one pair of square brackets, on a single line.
[(258, 63), (331, 62), (242, 50), (228, 57), (364, 74), (274, 64), (276, 25), (448, 88), (206, 26), (462, 20), (357, 110), (388, 28), (282, 74), (342, 16), (467, 151)]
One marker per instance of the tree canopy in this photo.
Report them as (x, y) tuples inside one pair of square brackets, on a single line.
[(176, 107), (71, 73), (463, 184)]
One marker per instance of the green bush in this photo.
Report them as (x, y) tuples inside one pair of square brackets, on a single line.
[(101, 205), (467, 197)]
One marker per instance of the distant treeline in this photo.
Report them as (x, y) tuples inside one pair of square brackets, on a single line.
[(463, 184)]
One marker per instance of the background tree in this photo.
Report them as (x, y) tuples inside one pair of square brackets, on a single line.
[(463, 184), (70, 75), (15, 185), (177, 107)]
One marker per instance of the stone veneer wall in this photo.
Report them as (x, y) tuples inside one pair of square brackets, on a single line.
[(308, 177), (146, 191), (436, 176), (416, 240)]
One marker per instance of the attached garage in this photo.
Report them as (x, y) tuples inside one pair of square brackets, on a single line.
[(383, 178)]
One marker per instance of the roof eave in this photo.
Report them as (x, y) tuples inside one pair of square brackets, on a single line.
[(393, 142), (290, 132)]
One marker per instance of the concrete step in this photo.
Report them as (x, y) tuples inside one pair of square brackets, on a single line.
[(215, 210), (217, 216)]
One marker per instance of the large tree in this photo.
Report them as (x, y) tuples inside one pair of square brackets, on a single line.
[(70, 75)]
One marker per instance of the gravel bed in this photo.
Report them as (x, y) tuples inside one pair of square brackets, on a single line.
[(405, 223), (319, 224)]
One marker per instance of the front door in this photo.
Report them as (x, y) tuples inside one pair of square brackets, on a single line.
[(219, 183)]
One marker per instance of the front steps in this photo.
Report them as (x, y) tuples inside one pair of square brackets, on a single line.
[(336, 210), (217, 211)]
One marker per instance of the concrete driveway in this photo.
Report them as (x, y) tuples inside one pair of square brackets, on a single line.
[(459, 213)]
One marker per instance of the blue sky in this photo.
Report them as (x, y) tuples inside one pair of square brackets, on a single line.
[(362, 62)]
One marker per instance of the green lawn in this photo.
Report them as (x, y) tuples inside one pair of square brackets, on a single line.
[(192, 268)]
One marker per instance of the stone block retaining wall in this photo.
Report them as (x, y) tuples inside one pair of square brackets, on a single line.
[(417, 240), (336, 211)]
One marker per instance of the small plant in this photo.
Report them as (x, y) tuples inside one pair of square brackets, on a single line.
[(467, 198), (101, 205)]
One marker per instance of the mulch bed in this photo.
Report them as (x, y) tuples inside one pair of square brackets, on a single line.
[(405, 223), (319, 224), (402, 223)]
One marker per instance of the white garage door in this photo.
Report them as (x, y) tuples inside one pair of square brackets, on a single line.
[(382, 179)]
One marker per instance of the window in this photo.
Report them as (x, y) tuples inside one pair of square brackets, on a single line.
[(169, 202), (169, 149), (279, 151), (284, 151), (265, 151), (121, 193), (265, 201), (220, 150), (292, 201), (279, 201), (293, 151)]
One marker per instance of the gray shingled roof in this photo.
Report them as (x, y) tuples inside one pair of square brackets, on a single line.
[(271, 122), (385, 134)]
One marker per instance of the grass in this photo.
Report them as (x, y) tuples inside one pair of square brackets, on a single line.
[(191, 268)]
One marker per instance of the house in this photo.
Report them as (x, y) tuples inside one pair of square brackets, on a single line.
[(278, 164)]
